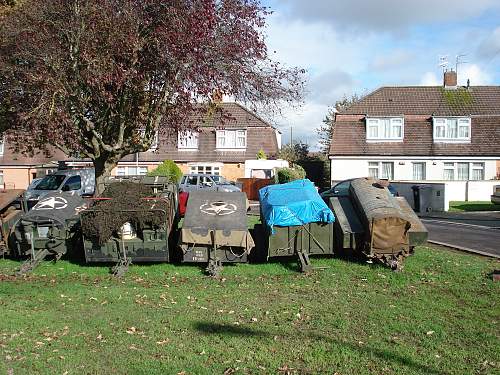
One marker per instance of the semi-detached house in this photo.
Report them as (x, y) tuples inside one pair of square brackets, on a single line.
[(419, 133), (223, 141)]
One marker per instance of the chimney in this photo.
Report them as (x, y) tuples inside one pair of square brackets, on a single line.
[(450, 79)]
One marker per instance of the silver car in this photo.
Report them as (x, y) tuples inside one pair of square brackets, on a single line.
[(191, 182)]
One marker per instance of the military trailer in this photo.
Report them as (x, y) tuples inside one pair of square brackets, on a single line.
[(296, 222), (132, 222), (10, 212), (215, 229), (50, 229), (372, 222)]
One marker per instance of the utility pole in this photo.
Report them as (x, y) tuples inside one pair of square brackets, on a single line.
[(291, 135)]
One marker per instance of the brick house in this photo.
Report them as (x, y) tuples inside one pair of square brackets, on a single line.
[(419, 133), (221, 145)]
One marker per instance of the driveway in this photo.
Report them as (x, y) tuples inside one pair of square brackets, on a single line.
[(477, 232)]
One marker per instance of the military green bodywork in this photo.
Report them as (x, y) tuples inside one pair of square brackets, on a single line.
[(370, 221), (215, 229), (149, 244), (51, 228), (10, 213), (300, 241)]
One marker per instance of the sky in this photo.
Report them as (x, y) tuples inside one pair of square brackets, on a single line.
[(356, 46)]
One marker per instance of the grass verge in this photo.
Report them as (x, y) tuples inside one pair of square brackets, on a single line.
[(439, 316), (470, 206)]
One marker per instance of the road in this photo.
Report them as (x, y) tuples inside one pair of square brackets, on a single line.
[(480, 233)]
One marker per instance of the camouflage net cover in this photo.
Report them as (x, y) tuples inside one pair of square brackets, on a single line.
[(106, 217)]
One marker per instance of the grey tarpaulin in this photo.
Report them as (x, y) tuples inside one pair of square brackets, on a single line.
[(57, 207)]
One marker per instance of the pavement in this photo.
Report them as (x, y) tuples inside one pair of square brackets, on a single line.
[(476, 232)]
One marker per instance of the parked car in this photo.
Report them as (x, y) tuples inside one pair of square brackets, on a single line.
[(495, 198), (192, 182), (80, 180), (341, 189)]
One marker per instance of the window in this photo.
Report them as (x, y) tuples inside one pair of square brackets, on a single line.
[(73, 183), (463, 171), (477, 171), (383, 170), (187, 140), (231, 139), (205, 169), (419, 171), (385, 129), (131, 171), (2, 145), (456, 129), (1, 180), (155, 143), (192, 180)]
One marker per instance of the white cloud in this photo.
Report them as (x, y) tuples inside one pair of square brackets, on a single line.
[(429, 79), (394, 59), (476, 75), (490, 46), (386, 15)]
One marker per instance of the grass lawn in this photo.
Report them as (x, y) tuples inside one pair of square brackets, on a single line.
[(441, 315), (462, 206)]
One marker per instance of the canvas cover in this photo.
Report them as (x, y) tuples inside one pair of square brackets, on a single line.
[(387, 226), (216, 218), (57, 207), (293, 203)]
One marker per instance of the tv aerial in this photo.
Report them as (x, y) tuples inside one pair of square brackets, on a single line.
[(443, 62)]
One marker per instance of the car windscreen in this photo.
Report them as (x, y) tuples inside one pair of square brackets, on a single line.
[(51, 182), (219, 180)]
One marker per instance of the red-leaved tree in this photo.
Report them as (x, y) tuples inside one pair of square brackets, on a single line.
[(99, 78)]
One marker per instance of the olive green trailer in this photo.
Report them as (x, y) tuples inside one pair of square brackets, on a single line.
[(49, 229), (300, 241), (10, 212), (372, 222), (134, 225), (215, 229)]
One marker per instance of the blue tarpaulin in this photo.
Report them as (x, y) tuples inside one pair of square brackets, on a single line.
[(294, 203)]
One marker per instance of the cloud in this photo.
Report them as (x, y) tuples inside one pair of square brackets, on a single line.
[(476, 75), (394, 59), (489, 48), (429, 79), (385, 15), (326, 88)]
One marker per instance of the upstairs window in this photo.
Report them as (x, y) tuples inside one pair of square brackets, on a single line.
[(231, 139), (2, 145), (384, 129), (187, 140), (455, 129)]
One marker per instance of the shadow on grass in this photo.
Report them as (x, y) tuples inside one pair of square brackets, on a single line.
[(386, 355), (473, 206), (227, 330)]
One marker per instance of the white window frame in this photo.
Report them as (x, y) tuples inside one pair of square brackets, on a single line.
[(204, 169), (123, 171), (2, 145), (228, 139), (441, 129), (379, 166), (187, 140), (424, 171), (382, 126), (472, 166)]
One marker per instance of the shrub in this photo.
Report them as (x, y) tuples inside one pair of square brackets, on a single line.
[(284, 175), (261, 155), (167, 169)]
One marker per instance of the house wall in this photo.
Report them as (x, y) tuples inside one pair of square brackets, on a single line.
[(342, 169), (17, 178)]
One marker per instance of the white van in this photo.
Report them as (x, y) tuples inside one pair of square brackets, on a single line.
[(82, 181)]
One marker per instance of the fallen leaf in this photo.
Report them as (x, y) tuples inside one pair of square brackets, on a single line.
[(163, 342), (429, 333)]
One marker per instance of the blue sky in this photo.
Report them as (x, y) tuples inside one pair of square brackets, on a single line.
[(356, 46)]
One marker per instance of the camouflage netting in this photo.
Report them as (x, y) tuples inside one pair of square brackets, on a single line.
[(105, 218)]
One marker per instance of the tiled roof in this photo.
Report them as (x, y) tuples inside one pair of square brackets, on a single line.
[(429, 100), (418, 104), (349, 139), (260, 135)]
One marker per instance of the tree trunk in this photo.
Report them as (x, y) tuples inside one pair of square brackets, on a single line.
[(103, 167)]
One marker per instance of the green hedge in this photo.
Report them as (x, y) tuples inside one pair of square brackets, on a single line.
[(168, 169), (284, 175)]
